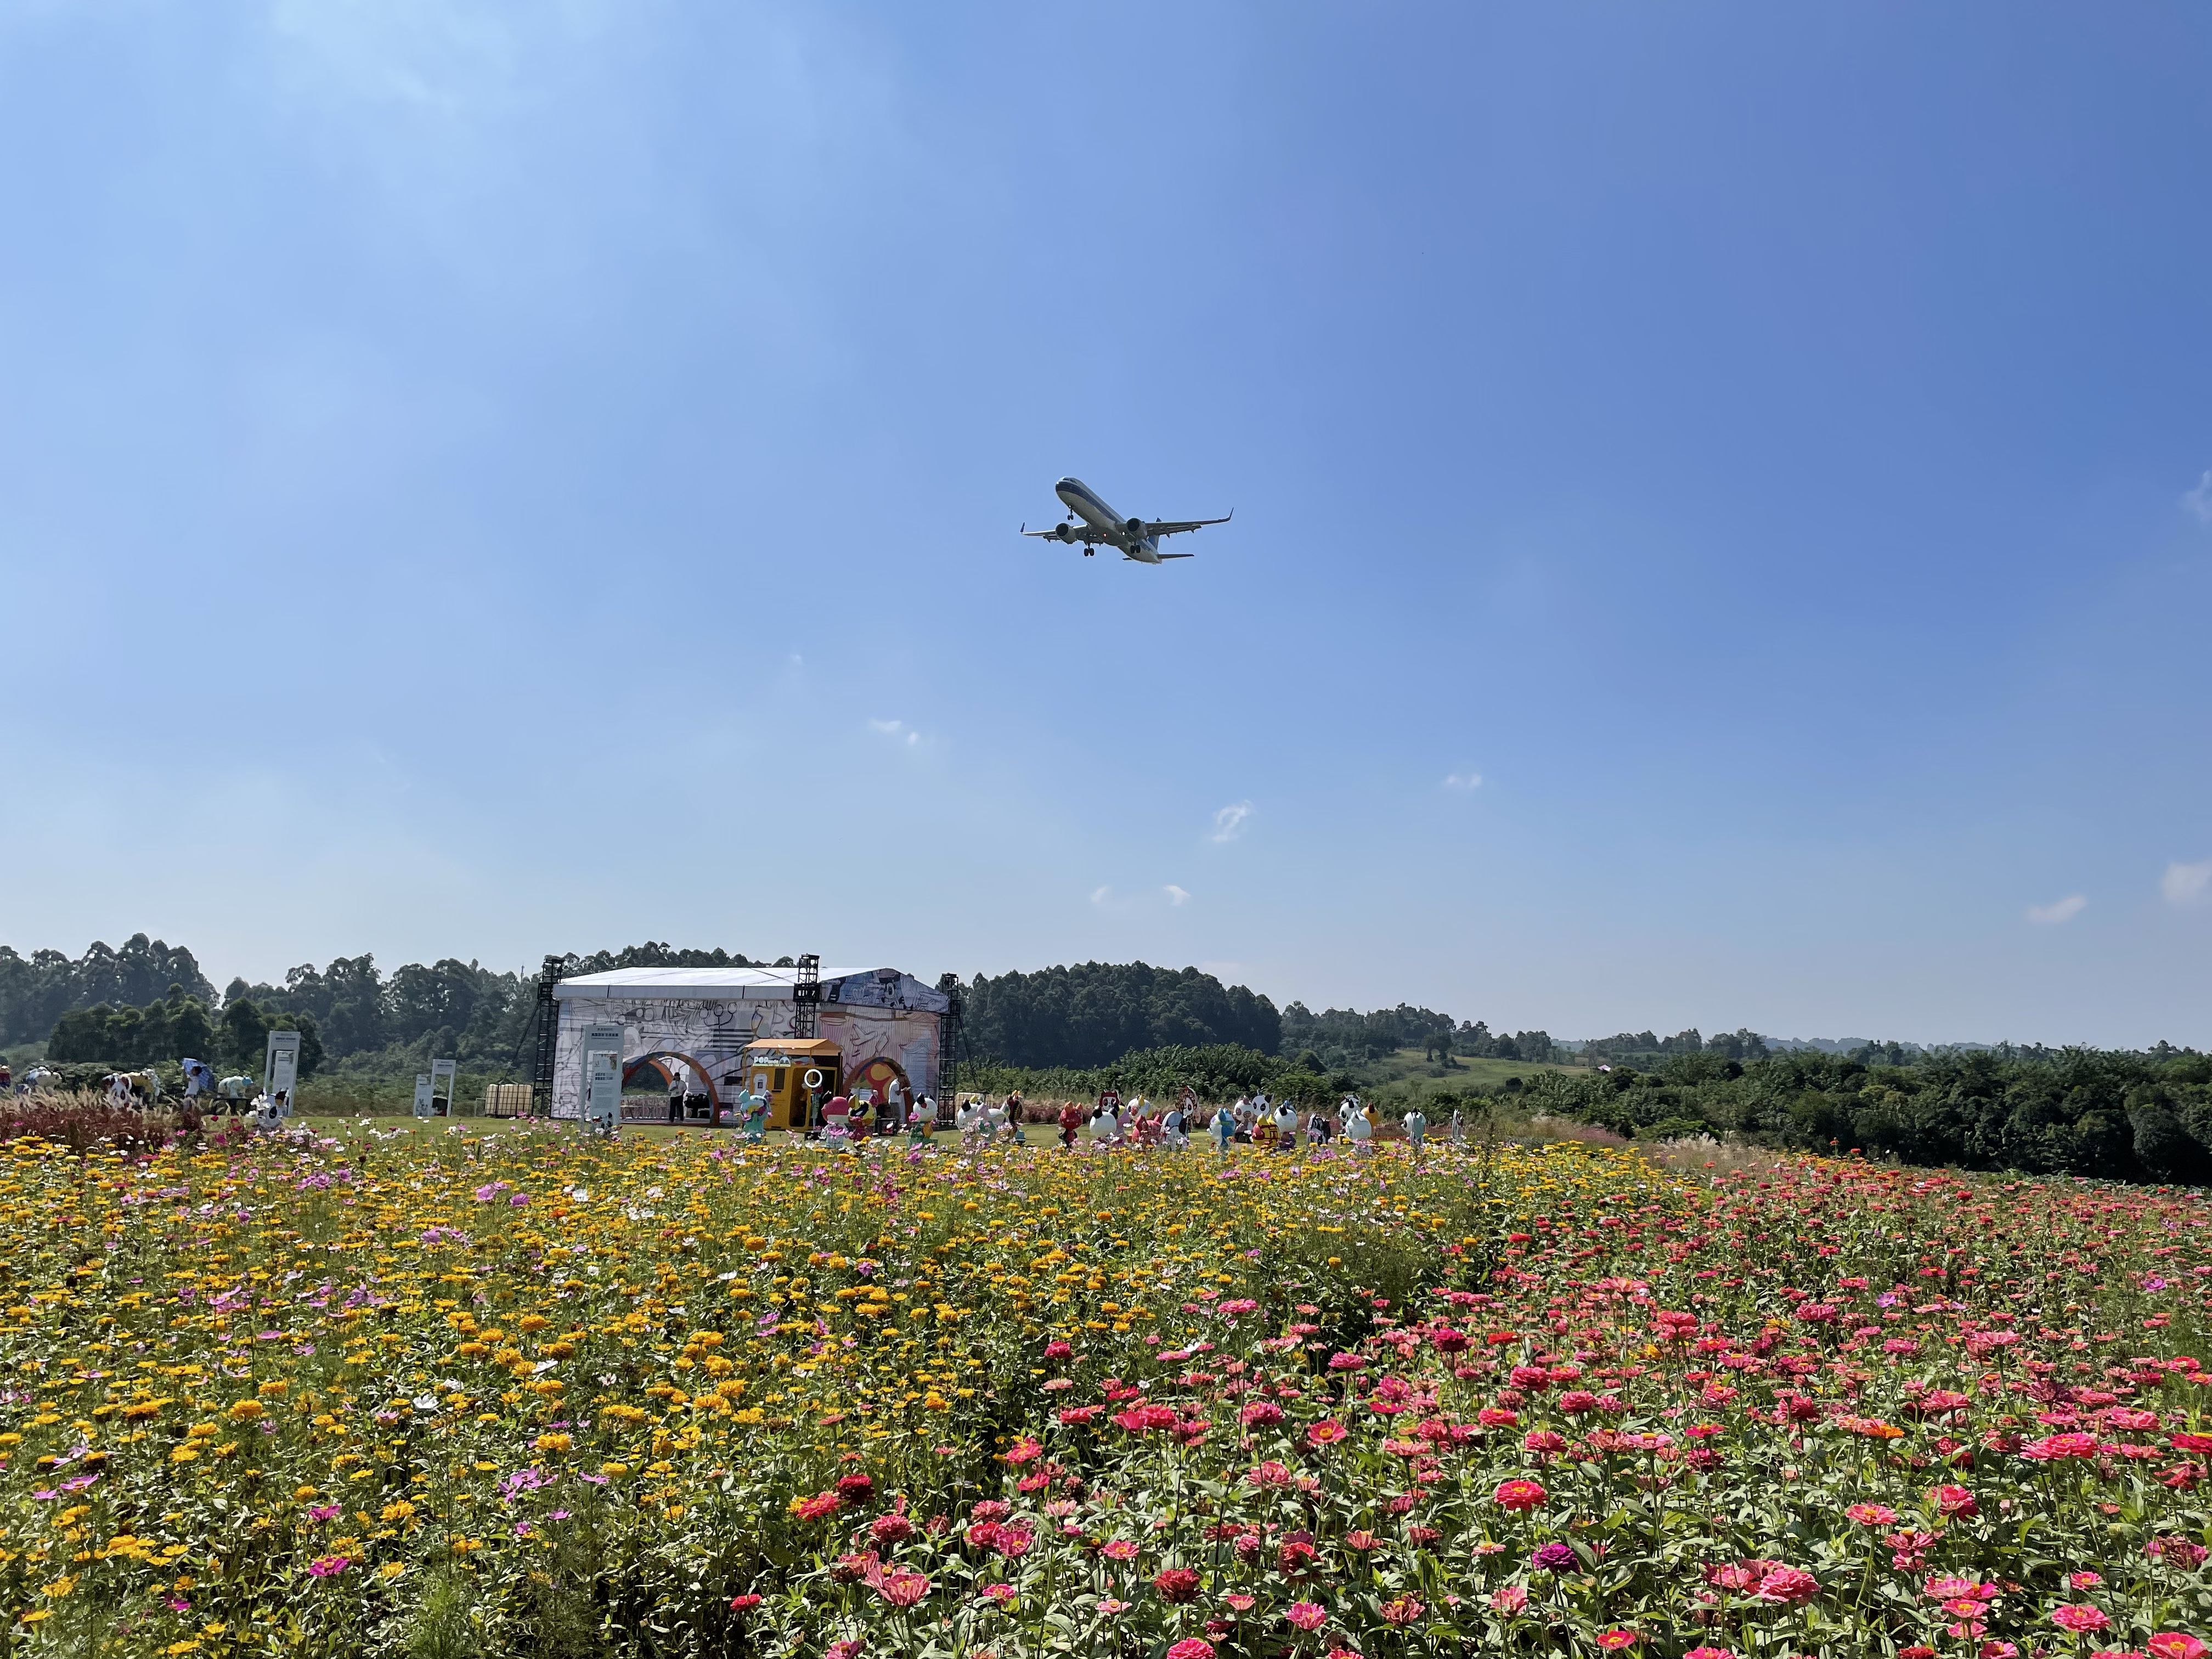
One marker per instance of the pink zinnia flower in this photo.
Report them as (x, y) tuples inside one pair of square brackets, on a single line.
[(1791, 1585), (1307, 1615), (329, 1566), (1191, 1647), (2081, 1619), (903, 1587), (1518, 1495)]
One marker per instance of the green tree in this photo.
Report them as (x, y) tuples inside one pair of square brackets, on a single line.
[(244, 1035)]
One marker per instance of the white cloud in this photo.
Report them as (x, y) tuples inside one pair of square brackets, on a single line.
[(2186, 883), (1464, 782), (2049, 915), (897, 729), (1102, 896), (1229, 822), (1175, 894), (2199, 500)]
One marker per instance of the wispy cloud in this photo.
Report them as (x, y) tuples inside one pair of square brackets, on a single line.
[(1464, 782), (1228, 822), (898, 730), (2187, 883), (1103, 898), (2199, 500), (1175, 894), (2049, 915)]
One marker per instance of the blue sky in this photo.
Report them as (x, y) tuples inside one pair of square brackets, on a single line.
[(491, 479)]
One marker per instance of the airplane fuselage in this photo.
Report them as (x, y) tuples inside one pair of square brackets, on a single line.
[(1127, 534)]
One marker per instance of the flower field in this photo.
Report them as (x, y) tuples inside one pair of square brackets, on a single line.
[(528, 1392)]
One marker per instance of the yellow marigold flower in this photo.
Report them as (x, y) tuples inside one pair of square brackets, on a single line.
[(614, 1471), (553, 1443), (275, 1386), (246, 1410)]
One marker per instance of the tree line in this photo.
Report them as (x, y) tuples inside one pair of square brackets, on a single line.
[(1094, 1013), (1345, 1037), (2127, 1116)]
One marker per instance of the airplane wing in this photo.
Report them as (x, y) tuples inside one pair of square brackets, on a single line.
[(1176, 527), (1076, 532)]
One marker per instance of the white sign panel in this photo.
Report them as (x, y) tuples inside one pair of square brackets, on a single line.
[(602, 1078), (422, 1094), (280, 1075)]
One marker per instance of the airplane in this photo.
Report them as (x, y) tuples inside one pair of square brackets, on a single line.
[(1138, 538)]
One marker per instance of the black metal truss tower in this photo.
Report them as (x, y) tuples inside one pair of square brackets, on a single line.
[(548, 1028), (948, 1046), (806, 999)]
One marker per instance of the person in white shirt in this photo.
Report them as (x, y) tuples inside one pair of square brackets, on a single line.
[(1417, 1129)]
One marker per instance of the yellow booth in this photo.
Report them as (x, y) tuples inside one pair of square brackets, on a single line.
[(796, 1076)]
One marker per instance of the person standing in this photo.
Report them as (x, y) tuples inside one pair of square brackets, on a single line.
[(1417, 1129)]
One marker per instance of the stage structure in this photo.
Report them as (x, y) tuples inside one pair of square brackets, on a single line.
[(886, 1026)]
